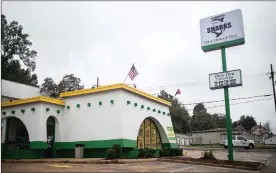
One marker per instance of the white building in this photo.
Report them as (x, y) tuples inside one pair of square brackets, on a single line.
[(96, 119), (183, 139), (14, 91), (270, 141)]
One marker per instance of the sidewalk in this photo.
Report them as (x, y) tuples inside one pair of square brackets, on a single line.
[(271, 165)]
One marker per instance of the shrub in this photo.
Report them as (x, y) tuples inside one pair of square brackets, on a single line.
[(209, 155), (146, 153), (111, 154), (180, 152), (117, 149)]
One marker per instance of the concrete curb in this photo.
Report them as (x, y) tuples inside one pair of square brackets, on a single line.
[(211, 164)]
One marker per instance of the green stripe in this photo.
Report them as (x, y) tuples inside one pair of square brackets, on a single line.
[(38, 145), (224, 44)]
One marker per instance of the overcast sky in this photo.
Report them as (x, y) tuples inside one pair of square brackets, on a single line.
[(103, 39)]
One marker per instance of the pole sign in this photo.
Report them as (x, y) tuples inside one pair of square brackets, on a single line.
[(223, 30), (225, 79)]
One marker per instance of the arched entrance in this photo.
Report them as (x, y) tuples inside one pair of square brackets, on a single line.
[(149, 136), (50, 127), (16, 134)]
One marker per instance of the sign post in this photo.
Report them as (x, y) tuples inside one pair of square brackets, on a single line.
[(220, 32), (227, 109)]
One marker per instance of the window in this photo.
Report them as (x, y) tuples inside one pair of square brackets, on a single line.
[(241, 138)]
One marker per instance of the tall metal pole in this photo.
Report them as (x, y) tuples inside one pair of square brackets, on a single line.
[(227, 109), (273, 85), (97, 81)]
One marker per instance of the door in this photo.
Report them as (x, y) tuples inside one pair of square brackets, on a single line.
[(242, 141)]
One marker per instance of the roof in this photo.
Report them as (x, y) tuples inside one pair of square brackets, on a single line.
[(32, 100), (257, 126), (114, 87)]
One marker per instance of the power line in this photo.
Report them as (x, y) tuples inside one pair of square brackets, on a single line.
[(241, 98), (195, 82), (234, 103)]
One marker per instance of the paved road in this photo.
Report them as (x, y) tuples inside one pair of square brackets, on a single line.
[(271, 165), (141, 167)]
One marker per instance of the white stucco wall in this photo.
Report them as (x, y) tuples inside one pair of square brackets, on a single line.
[(18, 90), (35, 122), (95, 122), (132, 116)]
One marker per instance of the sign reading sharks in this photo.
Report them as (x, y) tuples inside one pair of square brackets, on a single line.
[(223, 30)]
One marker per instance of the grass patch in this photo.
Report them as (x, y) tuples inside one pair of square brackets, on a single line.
[(265, 146)]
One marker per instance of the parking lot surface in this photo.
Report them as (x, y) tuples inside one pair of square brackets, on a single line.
[(238, 155), (137, 167)]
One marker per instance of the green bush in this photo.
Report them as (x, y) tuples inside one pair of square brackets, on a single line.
[(170, 152), (111, 154), (146, 153), (209, 155), (117, 148)]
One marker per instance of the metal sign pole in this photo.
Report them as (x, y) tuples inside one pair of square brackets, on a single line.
[(227, 109)]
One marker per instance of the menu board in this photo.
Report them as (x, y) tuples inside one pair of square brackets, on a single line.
[(147, 133), (158, 141), (153, 137), (141, 136)]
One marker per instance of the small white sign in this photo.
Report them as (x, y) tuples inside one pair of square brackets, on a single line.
[(225, 79), (223, 30)]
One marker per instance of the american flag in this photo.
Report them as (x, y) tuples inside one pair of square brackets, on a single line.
[(133, 72), (177, 92)]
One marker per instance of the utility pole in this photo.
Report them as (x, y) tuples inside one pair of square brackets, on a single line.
[(97, 81), (273, 84)]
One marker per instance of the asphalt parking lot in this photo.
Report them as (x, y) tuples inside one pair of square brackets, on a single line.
[(243, 155), (138, 167)]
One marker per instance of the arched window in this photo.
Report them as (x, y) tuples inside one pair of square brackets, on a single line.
[(149, 136)]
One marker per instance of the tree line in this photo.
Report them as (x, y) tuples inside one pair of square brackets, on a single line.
[(16, 50)]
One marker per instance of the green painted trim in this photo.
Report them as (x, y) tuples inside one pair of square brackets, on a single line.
[(68, 107), (100, 103), (97, 144), (142, 106), (4, 113), (33, 109), (13, 111), (128, 102), (22, 111), (224, 44), (88, 104), (38, 145), (112, 101), (78, 105), (169, 145), (47, 109), (135, 104), (58, 111)]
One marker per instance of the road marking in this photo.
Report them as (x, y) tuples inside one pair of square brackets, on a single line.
[(61, 166), (183, 168)]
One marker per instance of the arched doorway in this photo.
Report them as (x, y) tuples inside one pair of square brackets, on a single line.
[(149, 136), (50, 127), (16, 134)]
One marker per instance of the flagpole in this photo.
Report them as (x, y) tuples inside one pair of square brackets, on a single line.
[(127, 74)]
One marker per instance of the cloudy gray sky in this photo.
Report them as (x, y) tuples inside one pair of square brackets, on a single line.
[(103, 39)]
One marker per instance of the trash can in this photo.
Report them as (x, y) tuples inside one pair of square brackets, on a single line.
[(79, 151)]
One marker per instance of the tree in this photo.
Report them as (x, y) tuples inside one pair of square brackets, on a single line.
[(68, 83), (267, 126), (15, 43), (246, 121), (179, 114), (219, 120), (201, 120)]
